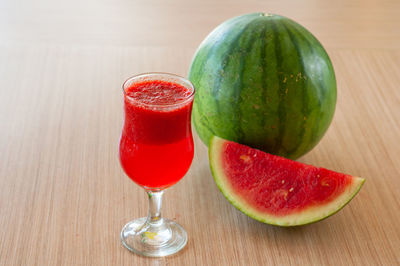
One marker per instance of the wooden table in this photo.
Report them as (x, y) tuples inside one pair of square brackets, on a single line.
[(63, 195)]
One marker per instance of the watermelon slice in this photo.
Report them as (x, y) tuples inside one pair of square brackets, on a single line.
[(276, 190)]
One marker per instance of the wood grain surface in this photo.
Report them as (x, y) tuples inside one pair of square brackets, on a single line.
[(63, 195)]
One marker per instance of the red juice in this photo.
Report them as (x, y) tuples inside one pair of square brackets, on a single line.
[(156, 146)]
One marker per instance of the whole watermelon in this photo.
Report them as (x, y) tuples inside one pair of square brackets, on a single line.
[(263, 81)]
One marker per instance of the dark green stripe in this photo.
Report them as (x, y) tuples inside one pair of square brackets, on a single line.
[(205, 52), (321, 88), (264, 74), (305, 110), (239, 85), (217, 82), (301, 34), (228, 52), (282, 105)]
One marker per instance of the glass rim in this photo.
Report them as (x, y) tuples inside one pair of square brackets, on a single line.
[(179, 103)]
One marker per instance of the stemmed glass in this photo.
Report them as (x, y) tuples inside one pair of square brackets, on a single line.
[(156, 150)]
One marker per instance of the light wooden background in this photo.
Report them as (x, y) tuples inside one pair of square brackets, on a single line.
[(63, 195)]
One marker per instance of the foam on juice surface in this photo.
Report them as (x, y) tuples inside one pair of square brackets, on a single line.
[(158, 92)]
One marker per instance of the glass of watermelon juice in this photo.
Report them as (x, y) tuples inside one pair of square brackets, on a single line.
[(155, 151)]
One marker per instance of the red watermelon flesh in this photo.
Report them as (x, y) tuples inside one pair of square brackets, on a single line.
[(277, 190)]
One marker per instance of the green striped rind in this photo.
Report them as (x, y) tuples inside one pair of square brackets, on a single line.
[(307, 216), (264, 81)]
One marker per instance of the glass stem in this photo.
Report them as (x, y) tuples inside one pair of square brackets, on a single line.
[(155, 201)]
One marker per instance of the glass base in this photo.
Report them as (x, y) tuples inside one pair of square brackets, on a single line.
[(153, 240)]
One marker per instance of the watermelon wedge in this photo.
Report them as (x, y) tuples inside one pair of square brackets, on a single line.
[(276, 190)]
